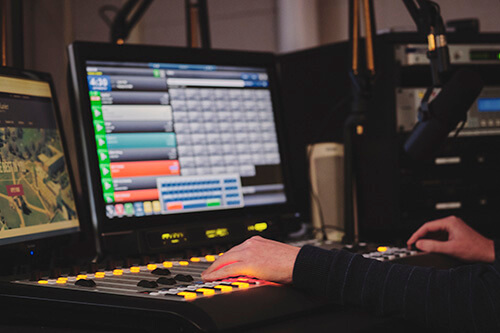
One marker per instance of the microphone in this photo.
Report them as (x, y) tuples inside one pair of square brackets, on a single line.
[(445, 112)]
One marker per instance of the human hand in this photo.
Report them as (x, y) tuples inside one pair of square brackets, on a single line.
[(257, 257), (463, 242)]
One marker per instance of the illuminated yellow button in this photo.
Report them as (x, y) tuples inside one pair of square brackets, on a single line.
[(183, 263), (167, 264), (241, 285), (210, 258), (118, 272), (195, 259), (221, 253), (99, 275), (59, 281), (382, 248), (359, 130), (151, 267), (135, 269), (62, 279), (43, 282), (206, 291), (187, 295), (81, 277), (224, 289)]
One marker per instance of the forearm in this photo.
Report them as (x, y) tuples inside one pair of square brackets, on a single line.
[(461, 299)]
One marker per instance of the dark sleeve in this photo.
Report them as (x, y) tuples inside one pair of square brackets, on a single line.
[(460, 299)]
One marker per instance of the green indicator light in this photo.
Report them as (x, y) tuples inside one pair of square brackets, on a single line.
[(103, 156), (109, 197), (97, 111), (156, 72), (100, 141), (213, 204), (107, 185), (95, 98), (105, 170), (498, 56), (99, 127)]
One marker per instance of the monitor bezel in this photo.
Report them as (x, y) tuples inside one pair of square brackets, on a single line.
[(62, 235), (80, 52)]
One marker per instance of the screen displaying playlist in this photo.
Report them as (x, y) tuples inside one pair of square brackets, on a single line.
[(175, 138)]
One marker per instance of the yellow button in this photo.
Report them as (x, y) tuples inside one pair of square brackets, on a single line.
[(118, 272), (187, 294), (224, 289), (195, 259), (99, 275), (382, 248), (61, 281), (241, 285), (206, 291), (135, 269), (221, 254), (152, 267), (210, 258), (183, 263), (81, 276), (43, 282), (167, 264)]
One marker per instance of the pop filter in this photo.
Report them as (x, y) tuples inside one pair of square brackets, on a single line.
[(445, 112)]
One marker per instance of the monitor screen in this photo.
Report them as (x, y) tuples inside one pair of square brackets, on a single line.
[(36, 197), (177, 137)]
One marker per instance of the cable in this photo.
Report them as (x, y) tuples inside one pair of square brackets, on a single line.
[(314, 195)]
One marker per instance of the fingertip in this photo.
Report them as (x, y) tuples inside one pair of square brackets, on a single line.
[(424, 245), (206, 277)]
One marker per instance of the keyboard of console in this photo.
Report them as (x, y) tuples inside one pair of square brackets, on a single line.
[(173, 280)]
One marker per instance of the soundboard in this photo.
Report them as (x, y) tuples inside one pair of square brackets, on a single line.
[(143, 294), (149, 294), (169, 290), (178, 280)]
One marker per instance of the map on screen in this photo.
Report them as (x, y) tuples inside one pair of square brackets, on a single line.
[(36, 198)]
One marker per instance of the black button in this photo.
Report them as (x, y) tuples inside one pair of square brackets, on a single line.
[(167, 281), (161, 271), (85, 283), (184, 278), (147, 284)]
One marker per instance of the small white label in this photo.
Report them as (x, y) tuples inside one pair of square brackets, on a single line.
[(447, 160), (448, 205)]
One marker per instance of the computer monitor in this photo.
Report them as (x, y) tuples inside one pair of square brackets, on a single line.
[(36, 196), (177, 135)]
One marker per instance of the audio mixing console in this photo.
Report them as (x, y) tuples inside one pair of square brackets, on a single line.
[(178, 280), (172, 291), (142, 297)]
